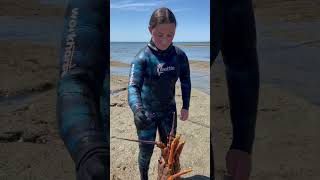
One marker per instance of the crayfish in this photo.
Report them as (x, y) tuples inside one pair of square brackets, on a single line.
[(169, 164)]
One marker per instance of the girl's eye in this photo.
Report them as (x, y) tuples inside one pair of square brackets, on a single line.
[(160, 35), (169, 36)]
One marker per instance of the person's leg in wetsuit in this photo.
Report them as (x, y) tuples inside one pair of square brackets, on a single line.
[(163, 122), (146, 150), (234, 34), (83, 89)]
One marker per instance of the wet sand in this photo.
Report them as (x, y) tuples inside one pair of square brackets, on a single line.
[(271, 11), (30, 146), (286, 134), (194, 65), (118, 64), (29, 8), (27, 67)]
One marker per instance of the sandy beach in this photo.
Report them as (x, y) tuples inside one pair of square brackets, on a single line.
[(29, 8), (30, 146), (194, 65), (286, 10), (287, 133)]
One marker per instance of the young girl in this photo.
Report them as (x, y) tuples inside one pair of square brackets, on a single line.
[(152, 80)]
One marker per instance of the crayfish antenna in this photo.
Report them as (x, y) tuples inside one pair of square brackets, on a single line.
[(172, 177), (171, 134)]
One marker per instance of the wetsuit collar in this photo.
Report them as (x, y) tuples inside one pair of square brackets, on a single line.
[(161, 52)]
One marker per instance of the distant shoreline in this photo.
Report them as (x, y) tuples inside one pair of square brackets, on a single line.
[(179, 44), (194, 65), (30, 8), (193, 45), (190, 42)]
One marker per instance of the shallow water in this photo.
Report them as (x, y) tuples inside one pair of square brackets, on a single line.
[(46, 30), (62, 2), (126, 51)]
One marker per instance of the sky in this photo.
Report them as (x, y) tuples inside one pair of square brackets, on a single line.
[(129, 19)]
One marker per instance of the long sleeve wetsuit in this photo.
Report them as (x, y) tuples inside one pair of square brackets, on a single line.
[(83, 88), (234, 34), (152, 81)]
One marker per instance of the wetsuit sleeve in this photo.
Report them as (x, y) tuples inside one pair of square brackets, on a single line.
[(136, 77), (185, 82), (83, 65)]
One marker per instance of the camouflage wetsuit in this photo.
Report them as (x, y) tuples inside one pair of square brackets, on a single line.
[(152, 81), (83, 88)]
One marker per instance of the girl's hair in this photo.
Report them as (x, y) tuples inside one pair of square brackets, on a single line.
[(162, 16)]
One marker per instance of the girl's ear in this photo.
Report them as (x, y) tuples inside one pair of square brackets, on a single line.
[(150, 30)]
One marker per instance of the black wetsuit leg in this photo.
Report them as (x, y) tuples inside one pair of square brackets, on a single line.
[(216, 35), (146, 150), (161, 121), (235, 35), (165, 124), (240, 57)]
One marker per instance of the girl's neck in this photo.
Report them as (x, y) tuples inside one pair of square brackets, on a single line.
[(154, 47)]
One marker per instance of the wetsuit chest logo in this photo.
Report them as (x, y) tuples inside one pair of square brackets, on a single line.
[(161, 69)]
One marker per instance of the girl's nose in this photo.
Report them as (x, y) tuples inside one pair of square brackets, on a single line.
[(164, 41)]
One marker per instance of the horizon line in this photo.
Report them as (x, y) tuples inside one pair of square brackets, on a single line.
[(148, 41)]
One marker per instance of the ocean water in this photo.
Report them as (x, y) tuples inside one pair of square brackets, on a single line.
[(55, 2), (126, 51), (37, 29)]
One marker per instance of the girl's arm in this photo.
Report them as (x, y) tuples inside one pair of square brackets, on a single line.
[(185, 82), (135, 84), (83, 65)]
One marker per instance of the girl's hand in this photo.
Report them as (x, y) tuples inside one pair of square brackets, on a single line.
[(184, 114)]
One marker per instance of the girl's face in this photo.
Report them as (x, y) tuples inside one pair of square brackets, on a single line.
[(162, 35)]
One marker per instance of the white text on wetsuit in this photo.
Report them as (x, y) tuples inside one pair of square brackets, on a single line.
[(70, 43), (161, 69), (131, 75)]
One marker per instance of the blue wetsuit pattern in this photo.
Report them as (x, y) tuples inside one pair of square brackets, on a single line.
[(83, 88), (153, 77), (152, 81)]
